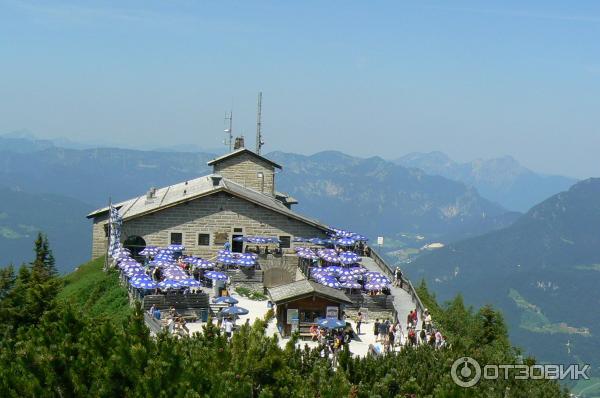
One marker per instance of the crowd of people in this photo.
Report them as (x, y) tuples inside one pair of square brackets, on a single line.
[(391, 335)]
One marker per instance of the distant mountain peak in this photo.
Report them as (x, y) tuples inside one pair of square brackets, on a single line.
[(503, 179)]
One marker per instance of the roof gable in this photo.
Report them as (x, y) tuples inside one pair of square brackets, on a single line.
[(305, 288), (239, 152), (193, 189)]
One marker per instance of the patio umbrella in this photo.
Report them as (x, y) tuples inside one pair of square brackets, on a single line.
[(150, 251), (139, 277), (307, 253), (225, 300), (318, 241), (134, 271), (349, 257), (334, 270), (348, 278), (345, 241), (331, 323), (245, 261), (161, 263), (216, 276), (127, 263), (204, 264), (234, 310), (176, 277), (351, 285), (224, 252), (169, 284), (380, 279), (358, 270), (164, 257), (176, 247), (144, 284), (189, 282), (298, 239), (315, 272), (227, 260), (330, 282), (375, 286)]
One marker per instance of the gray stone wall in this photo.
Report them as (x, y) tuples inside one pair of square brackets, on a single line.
[(99, 239), (216, 215), (244, 170)]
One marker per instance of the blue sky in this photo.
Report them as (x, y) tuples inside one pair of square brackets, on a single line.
[(470, 78)]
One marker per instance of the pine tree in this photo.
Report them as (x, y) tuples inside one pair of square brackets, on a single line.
[(44, 263), (7, 280)]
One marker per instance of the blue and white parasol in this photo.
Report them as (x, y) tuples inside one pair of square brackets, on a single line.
[(225, 300), (349, 257), (216, 276), (169, 284), (176, 247), (351, 285), (234, 310), (375, 286), (345, 241), (331, 323), (189, 282), (348, 278), (330, 282)]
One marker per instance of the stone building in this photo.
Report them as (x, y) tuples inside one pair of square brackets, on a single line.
[(238, 199)]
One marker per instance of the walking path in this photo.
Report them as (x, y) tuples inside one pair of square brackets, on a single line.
[(403, 302)]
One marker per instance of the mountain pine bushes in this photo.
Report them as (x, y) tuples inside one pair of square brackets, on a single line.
[(70, 352)]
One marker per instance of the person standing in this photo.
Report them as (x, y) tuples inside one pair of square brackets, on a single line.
[(376, 329), (228, 327), (359, 320)]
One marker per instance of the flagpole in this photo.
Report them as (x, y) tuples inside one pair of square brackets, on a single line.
[(109, 234)]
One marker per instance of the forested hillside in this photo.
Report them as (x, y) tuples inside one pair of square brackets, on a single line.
[(67, 342)]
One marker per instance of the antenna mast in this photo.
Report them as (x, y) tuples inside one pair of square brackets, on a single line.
[(259, 141), (229, 130)]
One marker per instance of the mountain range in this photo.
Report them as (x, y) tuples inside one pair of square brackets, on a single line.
[(372, 195), (23, 214), (543, 271), (502, 180)]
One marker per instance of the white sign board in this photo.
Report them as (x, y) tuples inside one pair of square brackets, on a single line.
[(380, 240), (292, 314), (332, 312)]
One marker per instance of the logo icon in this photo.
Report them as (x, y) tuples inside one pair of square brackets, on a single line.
[(466, 372)]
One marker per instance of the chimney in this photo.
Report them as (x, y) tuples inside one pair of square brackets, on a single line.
[(239, 143), (216, 180)]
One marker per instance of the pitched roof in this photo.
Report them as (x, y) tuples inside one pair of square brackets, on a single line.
[(203, 186), (240, 151), (305, 288)]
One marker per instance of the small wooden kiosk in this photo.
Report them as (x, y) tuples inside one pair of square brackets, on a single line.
[(299, 304)]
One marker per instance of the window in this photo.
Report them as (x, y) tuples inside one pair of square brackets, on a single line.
[(285, 242), (203, 239), (238, 230), (106, 230), (176, 238)]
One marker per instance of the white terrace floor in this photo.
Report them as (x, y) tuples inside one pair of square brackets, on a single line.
[(257, 310)]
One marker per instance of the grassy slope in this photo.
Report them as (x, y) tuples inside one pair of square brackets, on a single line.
[(96, 292)]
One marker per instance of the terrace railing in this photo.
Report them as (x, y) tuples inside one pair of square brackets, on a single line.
[(406, 283)]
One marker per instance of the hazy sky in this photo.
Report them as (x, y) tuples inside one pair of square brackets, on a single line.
[(470, 78)]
